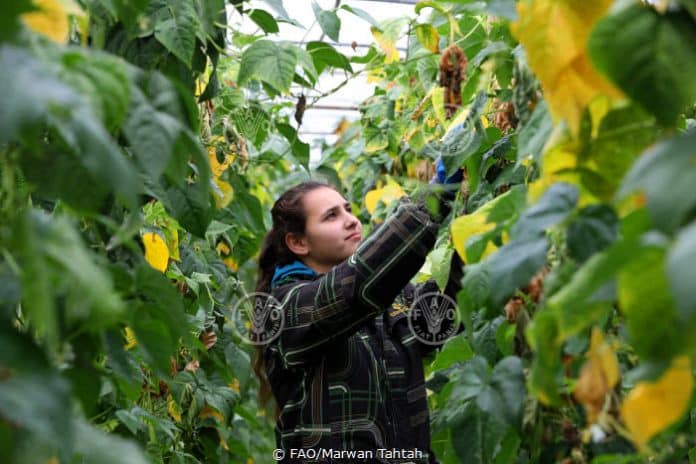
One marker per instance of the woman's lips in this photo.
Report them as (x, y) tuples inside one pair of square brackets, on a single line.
[(356, 235)]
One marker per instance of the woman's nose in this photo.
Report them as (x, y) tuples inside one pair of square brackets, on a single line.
[(351, 221)]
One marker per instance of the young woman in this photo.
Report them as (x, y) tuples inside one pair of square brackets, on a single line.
[(346, 371)]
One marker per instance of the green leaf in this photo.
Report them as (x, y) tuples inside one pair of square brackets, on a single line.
[(239, 363), (470, 380), (277, 5), (646, 301), (93, 445), (299, 148), (485, 340), (103, 80), (98, 153), (556, 204), (360, 13), (246, 209), (176, 26), (505, 338), (211, 12), (650, 56), (158, 317), (20, 353), (533, 135), (665, 172), (455, 350), (505, 9), (504, 394), (441, 258), (622, 135), (464, 139), (495, 399), (680, 263), (507, 454), (41, 405), (513, 265), (434, 5), (375, 139), (59, 266), (9, 21), (127, 11), (328, 21), (508, 206), (583, 300), (191, 203), (690, 6), (23, 106), (152, 127), (545, 373), (81, 142), (270, 62), (264, 20), (324, 55), (595, 228), (490, 49), (476, 437)]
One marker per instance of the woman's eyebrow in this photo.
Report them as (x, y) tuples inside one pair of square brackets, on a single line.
[(334, 208)]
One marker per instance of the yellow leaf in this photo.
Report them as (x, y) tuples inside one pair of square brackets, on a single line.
[(216, 167), (471, 225), (173, 409), (234, 385), (387, 44), (598, 376), (131, 341), (428, 37), (458, 118), (398, 105), (375, 75), (387, 194), (231, 264), (651, 407), (209, 412), (250, 461), (223, 193), (559, 164), (53, 460), (50, 19), (156, 251), (222, 249), (223, 443), (438, 98), (554, 34)]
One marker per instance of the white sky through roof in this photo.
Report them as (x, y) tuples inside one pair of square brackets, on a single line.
[(320, 121)]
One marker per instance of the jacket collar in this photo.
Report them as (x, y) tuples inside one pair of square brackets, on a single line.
[(296, 268)]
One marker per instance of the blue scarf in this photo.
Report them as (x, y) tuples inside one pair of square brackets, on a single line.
[(294, 268)]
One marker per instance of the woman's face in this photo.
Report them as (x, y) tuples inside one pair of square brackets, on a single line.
[(332, 233)]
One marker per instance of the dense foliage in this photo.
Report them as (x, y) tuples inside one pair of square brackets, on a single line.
[(142, 143)]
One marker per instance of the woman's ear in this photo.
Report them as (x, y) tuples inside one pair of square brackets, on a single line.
[(297, 244)]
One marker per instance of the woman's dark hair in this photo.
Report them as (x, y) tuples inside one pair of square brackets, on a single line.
[(289, 216)]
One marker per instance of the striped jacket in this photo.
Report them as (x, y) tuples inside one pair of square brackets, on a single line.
[(346, 370)]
